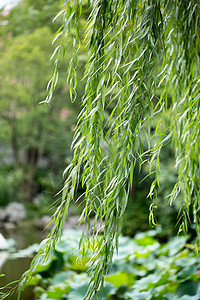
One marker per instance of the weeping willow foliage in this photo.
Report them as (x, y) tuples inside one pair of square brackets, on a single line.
[(135, 49)]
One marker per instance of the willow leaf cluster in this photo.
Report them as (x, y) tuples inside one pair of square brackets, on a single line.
[(143, 61)]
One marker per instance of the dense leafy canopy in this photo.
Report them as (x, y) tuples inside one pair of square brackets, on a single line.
[(143, 64)]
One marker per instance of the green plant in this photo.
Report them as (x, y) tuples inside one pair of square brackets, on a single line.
[(136, 49), (142, 269)]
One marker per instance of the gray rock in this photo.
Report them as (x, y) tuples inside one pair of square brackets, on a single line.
[(3, 257), (2, 215), (9, 226), (44, 223), (3, 243), (15, 212), (72, 222)]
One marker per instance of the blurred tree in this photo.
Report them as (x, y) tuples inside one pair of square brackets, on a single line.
[(30, 129), (29, 15), (24, 72)]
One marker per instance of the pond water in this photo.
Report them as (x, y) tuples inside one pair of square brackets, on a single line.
[(14, 268)]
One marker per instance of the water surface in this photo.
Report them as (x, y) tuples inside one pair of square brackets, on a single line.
[(13, 268)]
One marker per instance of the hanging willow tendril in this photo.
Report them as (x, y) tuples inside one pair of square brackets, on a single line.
[(134, 49)]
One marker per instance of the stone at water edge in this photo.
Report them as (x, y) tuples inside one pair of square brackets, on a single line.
[(3, 246), (15, 212), (44, 223), (3, 243), (2, 215), (3, 258)]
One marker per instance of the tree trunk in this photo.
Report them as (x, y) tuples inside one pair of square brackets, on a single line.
[(14, 140), (32, 158)]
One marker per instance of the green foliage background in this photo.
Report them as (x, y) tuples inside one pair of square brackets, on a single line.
[(31, 161)]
